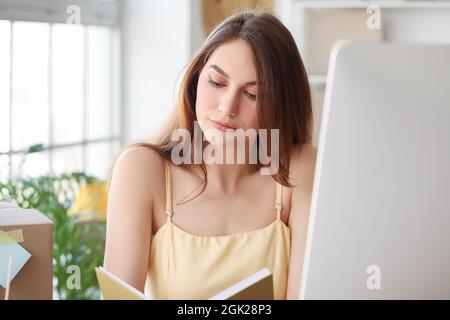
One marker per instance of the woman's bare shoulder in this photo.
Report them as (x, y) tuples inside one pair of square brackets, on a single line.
[(146, 158), (141, 168)]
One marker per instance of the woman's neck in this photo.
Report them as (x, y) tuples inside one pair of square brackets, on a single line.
[(226, 178)]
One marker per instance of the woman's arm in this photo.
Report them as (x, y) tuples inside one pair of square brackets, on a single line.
[(129, 215), (302, 169)]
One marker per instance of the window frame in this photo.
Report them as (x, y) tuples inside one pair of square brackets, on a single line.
[(93, 13)]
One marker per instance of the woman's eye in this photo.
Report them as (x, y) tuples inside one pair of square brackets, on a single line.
[(215, 84), (219, 85), (251, 96)]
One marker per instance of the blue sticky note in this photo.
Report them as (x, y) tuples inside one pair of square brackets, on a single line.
[(10, 248)]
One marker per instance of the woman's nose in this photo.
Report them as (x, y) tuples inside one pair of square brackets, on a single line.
[(230, 104)]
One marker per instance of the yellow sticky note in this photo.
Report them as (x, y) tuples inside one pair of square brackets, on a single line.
[(16, 235), (5, 239)]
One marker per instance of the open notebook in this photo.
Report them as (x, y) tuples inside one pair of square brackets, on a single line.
[(258, 286)]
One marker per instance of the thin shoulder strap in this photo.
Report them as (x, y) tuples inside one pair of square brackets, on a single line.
[(169, 210), (279, 200)]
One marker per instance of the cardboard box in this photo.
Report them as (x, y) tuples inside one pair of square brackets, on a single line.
[(35, 279)]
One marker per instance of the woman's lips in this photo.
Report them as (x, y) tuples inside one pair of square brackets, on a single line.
[(221, 126)]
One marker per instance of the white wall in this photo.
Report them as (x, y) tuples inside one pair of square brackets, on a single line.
[(417, 25), (197, 35), (155, 49)]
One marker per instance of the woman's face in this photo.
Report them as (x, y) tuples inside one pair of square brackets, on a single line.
[(227, 89)]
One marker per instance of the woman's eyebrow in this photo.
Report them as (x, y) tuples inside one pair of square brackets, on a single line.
[(222, 72)]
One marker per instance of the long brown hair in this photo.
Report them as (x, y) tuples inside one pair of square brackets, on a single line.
[(284, 97)]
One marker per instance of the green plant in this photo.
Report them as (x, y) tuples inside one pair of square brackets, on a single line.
[(74, 243)]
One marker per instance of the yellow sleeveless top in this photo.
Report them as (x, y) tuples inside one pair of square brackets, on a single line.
[(186, 266)]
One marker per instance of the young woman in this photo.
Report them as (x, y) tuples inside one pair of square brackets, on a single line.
[(189, 229)]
